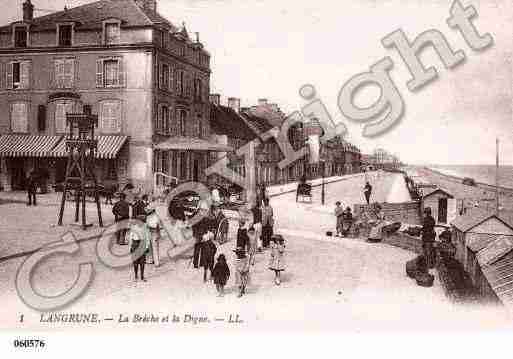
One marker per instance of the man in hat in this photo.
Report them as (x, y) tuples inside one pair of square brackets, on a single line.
[(428, 237), (121, 211)]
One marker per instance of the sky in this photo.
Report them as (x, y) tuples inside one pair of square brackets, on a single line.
[(270, 48)]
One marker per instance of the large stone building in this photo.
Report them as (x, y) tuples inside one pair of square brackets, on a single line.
[(147, 81)]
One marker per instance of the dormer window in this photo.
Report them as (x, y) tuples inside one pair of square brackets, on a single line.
[(20, 36), (65, 35), (112, 33)]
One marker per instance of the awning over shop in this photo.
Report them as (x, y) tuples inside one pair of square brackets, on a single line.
[(108, 147), (27, 145), (193, 144)]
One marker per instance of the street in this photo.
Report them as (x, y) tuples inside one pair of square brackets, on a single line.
[(330, 283)]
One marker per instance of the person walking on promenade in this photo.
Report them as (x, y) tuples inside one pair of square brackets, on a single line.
[(139, 244), (428, 237), (207, 254), (253, 243), (199, 229), (153, 223), (376, 233), (267, 223), (339, 211), (277, 260), (367, 191), (242, 276), (347, 221), (242, 235), (257, 223), (138, 207), (121, 211), (221, 274), (32, 183)]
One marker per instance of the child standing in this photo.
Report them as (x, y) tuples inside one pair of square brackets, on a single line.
[(339, 211), (221, 274), (242, 270), (253, 245), (207, 254), (277, 261)]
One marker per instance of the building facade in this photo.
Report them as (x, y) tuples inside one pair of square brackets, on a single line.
[(147, 81)]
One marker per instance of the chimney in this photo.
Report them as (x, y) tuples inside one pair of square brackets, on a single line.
[(28, 11), (147, 4), (215, 99), (234, 104), (274, 107), (262, 102)]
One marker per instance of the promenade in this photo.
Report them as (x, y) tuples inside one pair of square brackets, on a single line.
[(329, 283)]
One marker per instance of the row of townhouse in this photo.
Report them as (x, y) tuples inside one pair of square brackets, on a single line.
[(245, 124), (147, 81)]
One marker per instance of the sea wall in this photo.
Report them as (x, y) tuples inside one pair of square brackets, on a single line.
[(406, 212), (484, 186)]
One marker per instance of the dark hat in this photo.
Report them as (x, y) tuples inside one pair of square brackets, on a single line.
[(141, 217), (277, 238), (240, 252)]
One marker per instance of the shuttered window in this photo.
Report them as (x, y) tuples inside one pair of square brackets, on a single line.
[(18, 75), (162, 122), (112, 33), (61, 109), (19, 117), (182, 119), (64, 73), (110, 72), (110, 116), (180, 82), (164, 77), (41, 118)]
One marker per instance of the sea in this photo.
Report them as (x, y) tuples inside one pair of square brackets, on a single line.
[(481, 173)]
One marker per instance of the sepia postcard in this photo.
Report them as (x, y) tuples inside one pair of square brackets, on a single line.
[(290, 166)]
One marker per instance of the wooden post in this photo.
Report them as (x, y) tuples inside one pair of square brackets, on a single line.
[(497, 175)]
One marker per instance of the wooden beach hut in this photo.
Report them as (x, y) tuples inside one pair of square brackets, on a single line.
[(484, 247), (441, 203)]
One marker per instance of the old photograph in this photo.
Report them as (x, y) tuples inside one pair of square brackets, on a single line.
[(256, 165)]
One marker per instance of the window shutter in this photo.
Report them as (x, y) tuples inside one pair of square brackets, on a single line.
[(70, 72), (2, 75), (171, 78), (41, 118), (25, 74), (178, 81), (99, 73), (121, 73), (55, 73), (9, 75)]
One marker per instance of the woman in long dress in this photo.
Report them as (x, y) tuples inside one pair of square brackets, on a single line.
[(376, 233)]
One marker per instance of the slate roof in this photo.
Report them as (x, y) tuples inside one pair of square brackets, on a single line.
[(431, 191), (259, 123), (225, 121), (91, 16), (477, 216), (500, 277)]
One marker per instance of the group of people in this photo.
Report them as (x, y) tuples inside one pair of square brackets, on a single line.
[(142, 235), (254, 235), (344, 220)]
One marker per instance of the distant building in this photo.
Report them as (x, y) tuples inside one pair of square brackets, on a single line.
[(120, 59), (229, 128)]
